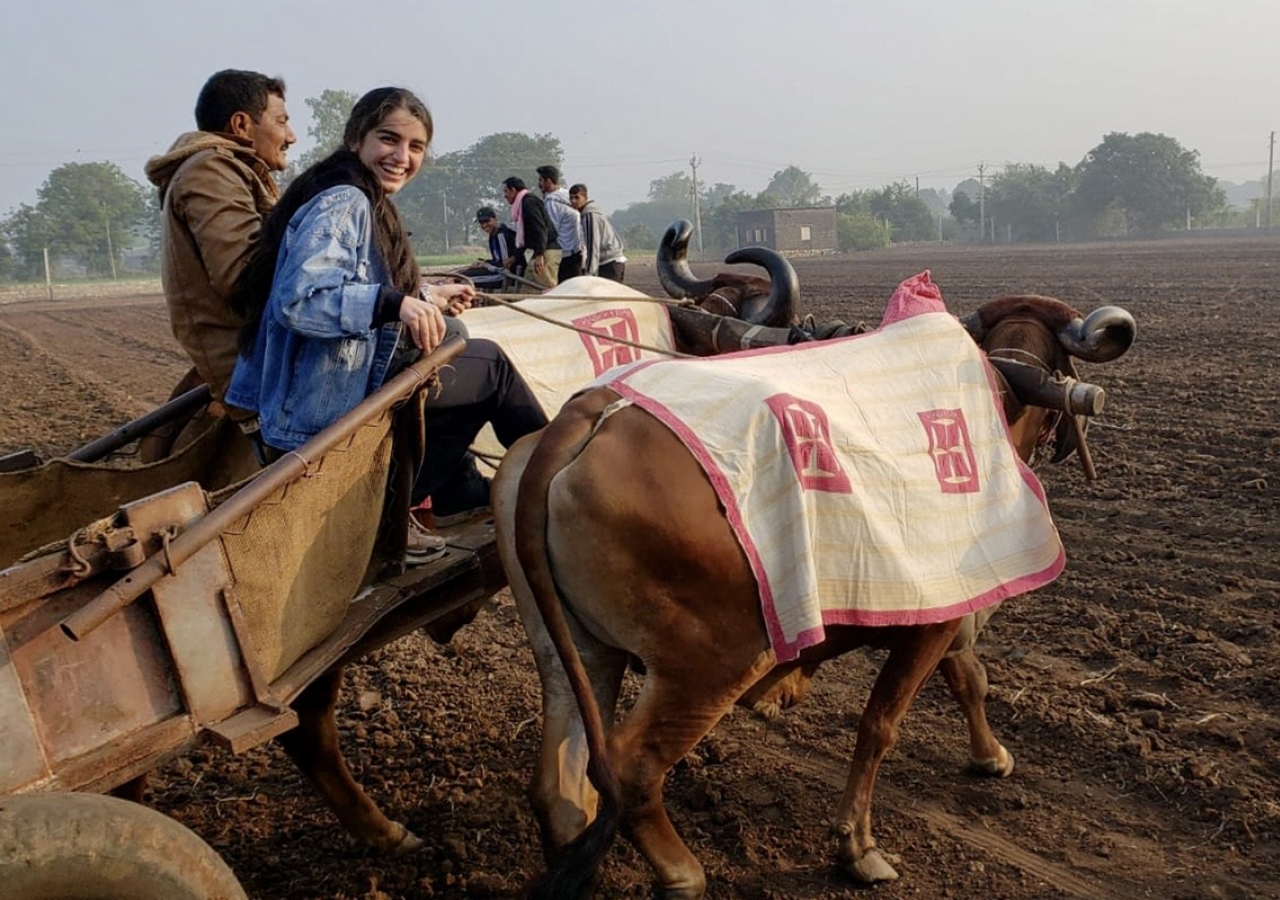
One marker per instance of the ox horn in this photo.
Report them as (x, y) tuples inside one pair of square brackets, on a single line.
[(1105, 334), (673, 263), (778, 310)]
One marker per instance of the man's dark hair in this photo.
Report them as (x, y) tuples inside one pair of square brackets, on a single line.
[(549, 172), (515, 183), (485, 213), (579, 189), (231, 91)]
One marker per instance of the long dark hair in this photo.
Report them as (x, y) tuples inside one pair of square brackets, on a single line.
[(342, 166)]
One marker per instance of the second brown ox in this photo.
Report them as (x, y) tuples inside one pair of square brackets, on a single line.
[(618, 550)]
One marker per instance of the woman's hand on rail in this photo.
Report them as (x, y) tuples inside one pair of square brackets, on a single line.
[(424, 322)]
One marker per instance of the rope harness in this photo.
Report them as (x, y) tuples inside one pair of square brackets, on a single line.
[(1046, 441)]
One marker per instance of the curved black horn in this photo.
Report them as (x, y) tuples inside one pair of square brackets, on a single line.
[(673, 263), (1105, 334), (779, 308)]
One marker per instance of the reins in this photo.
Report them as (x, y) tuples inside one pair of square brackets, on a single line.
[(599, 335)]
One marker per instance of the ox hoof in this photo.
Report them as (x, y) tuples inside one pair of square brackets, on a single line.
[(1000, 767), (681, 893), (397, 843), (874, 867), (408, 844)]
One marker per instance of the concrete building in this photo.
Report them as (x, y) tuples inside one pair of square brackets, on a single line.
[(801, 230)]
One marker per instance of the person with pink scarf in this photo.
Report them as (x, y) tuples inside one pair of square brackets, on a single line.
[(533, 231)]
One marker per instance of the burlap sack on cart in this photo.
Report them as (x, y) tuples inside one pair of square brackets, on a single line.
[(301, 556), (43, 506)]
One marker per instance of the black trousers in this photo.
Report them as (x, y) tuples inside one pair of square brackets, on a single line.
[(614, 271), (570, 267), (479, 387)]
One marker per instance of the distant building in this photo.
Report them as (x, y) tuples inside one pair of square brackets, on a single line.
[(802, 230)]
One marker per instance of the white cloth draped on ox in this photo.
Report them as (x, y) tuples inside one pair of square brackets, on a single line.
[(870, 480), (556, 362)]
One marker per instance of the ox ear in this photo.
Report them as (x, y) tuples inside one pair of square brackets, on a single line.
[(1105, 334)]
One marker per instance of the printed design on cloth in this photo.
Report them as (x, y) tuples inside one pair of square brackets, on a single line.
[(600, 327), (869, 480), (808, 435), (558, 362), (951, 449)]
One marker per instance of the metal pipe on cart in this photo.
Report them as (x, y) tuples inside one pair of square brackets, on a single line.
[(130, 432), (283, 471)]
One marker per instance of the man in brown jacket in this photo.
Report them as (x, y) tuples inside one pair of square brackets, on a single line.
[(216, 187)]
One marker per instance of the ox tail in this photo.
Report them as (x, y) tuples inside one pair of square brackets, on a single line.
[(572, 874)]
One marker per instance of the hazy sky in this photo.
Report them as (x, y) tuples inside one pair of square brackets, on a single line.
[(858, 93)]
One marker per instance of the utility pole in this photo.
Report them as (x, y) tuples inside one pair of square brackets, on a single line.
[(694, 162), (982, 201), (444, 205), (1271, 158)]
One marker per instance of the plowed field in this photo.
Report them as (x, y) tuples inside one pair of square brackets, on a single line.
[(1140, 693)]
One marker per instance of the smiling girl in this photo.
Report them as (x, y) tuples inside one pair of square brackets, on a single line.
[(334, 304)]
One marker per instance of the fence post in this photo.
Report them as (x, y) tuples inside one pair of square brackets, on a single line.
[(48, 278)]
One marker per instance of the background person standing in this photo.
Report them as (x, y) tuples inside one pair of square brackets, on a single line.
[(533, 232), (601, 246), (564, 222)]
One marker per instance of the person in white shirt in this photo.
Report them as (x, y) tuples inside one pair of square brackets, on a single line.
[(564, 220)]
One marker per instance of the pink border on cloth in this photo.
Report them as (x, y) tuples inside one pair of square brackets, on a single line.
[(915, 296)]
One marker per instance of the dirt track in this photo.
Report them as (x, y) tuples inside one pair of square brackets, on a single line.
[(1139, 693)]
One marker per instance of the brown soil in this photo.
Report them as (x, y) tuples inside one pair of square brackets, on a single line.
[(1138, 693)]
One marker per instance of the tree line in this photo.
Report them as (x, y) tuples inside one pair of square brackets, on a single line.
[(93, 218)]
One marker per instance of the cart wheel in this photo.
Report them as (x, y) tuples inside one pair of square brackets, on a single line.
[(92, 847)]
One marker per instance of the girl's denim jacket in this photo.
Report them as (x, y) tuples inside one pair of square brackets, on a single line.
[(317, 353)]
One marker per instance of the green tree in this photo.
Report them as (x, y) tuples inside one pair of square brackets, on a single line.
[(720, 219), (861, 231), (638, 236), (670, 199), (906, 213), (8, 265), (963, 208), (936, 200), (26, 232), (1149, 179), (790, 187), (89, 212), (456, 184), (1032, 200), (329, 114), (675, 188)]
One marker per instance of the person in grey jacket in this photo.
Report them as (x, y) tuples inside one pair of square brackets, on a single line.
[(601, 246)]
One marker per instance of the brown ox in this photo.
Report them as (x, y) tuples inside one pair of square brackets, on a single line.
[(313, 745), (617, 549)]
